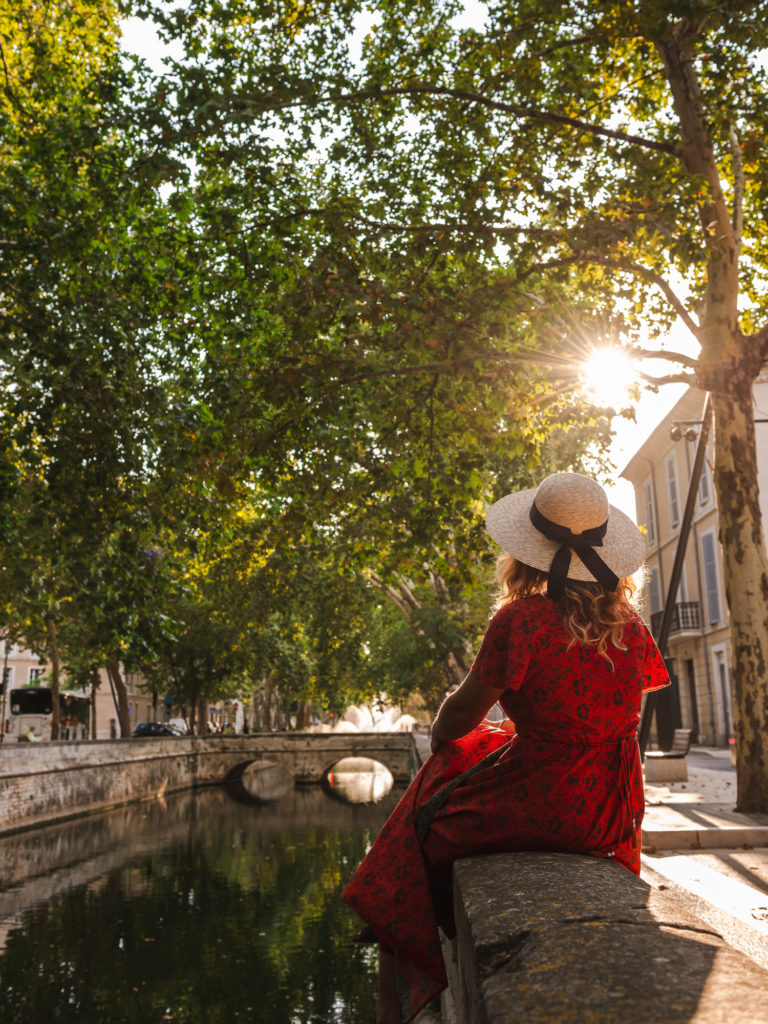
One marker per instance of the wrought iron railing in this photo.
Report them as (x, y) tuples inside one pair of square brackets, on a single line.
[(685, 615)]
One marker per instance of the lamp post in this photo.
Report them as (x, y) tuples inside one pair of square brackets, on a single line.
[(668, 710)]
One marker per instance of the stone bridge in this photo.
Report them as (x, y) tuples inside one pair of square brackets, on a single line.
[(309, 756), (45, 782)]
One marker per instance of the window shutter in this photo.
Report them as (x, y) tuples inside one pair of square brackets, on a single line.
[(710, 577), (650, 513), (705, 491), (674, 501), (654, 593)]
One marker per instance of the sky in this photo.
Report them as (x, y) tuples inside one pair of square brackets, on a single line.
[(649, 412), (630, 436), (140, 38)]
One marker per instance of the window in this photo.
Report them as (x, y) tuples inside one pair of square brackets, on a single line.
[(654, 591), (709, 557), (705, 485), (722, 684), (674, 500), (36, 675), (650, 512)]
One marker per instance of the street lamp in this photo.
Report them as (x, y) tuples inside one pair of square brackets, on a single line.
[(667, 712)]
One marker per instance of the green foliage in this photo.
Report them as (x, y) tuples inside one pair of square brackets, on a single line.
[(410, 657), (263, 336)]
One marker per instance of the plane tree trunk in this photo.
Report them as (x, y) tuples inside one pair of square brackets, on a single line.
[(728, 367)]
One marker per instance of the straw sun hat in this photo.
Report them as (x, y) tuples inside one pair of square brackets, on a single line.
[(567, 528)]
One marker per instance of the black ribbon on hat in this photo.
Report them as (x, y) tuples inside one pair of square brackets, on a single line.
[(583, 544)]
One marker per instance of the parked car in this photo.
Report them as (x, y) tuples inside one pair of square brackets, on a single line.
[(155, 729)]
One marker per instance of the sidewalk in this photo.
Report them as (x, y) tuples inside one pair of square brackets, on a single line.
[(713, 859)]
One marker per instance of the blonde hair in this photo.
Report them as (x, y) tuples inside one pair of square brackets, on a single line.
[(591, 615)]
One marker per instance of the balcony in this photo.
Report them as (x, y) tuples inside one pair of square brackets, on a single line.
[(685, 619)]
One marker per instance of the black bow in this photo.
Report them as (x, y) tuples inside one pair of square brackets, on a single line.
[(583, 544)]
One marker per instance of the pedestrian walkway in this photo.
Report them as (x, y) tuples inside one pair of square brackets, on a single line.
[(712, 858)]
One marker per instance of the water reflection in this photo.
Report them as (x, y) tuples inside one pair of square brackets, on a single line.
[(198, 910), (265, 782), (359, 780)]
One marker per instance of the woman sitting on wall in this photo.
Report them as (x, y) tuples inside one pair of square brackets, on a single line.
[(568, 658)]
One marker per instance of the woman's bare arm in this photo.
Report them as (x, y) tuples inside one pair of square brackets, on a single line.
[(462, 710)]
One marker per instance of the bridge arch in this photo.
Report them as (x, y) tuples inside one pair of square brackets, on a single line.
[(309, 756)]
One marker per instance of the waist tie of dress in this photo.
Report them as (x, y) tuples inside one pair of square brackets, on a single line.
[(629, 753)]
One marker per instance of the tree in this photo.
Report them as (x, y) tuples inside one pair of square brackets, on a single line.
[(600, 148), (96, 426), (193, 325)]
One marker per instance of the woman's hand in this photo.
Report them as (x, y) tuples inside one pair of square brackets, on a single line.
[(506, 725)]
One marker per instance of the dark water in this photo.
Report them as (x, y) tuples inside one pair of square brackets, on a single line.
[(198, 909)]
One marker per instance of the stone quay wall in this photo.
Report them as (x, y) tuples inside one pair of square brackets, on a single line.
[(47, 782), (545, 937)]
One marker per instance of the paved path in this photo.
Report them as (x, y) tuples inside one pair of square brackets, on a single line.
[(714, 859)]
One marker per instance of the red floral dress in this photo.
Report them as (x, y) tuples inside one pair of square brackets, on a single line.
[(568, 779)]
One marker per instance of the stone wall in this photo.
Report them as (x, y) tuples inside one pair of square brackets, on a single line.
[(545, 937), (46, 782)]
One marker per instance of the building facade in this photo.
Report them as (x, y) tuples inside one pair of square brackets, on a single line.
[(21, 668), (699, 640)]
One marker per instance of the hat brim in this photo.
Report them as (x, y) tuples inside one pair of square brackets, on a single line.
[(509, 524)]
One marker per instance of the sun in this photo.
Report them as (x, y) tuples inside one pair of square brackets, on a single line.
[(608, 374)]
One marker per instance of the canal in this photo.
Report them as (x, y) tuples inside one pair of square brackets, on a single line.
[(200, 908)]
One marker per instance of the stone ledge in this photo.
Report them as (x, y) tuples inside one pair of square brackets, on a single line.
[(701, 826), (694, 838), (659, 768), (548, 937)]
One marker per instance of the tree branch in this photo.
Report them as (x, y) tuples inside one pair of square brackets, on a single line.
[(760, 340), (16, 102), (737, 214), (507, 108), (400, 594), (633, 268), (502, 230), (661, 283), (661, 353), (697, 154), (670, 378)]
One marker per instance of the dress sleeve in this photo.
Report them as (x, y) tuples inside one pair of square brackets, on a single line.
[(655, 675), (504, 654)]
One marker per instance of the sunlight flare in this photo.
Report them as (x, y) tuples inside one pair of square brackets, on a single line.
[(608, 374)]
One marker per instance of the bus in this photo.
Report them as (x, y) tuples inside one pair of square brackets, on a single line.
[(28, 714)]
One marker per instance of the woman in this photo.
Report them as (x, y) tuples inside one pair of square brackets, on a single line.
[(568, 658)]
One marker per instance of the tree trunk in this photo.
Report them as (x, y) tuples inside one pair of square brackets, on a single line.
[(94, 688), (303, 714), (728, 368), (267, 716), (746, 585), (202, 715), (4, 686), (53, 658), (121, 693), (192, 714), (401, 594)]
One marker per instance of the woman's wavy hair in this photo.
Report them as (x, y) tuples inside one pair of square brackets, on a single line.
[(591, 615)]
